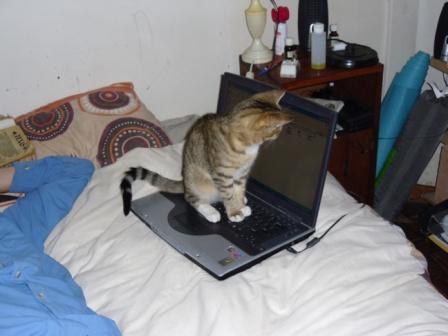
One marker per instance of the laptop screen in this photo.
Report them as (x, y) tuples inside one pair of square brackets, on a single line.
[(295, 164)]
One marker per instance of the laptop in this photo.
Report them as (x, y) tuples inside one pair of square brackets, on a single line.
[(284, 191)]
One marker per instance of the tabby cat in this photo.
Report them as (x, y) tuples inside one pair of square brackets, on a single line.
[(218, 153)]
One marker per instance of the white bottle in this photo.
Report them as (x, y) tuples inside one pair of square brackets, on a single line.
[(280, 38), (318, 46)]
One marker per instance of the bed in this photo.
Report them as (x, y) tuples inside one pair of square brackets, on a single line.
[(363, 278)]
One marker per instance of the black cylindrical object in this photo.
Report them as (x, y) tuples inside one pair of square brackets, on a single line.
[(310, 11), (441, 32)]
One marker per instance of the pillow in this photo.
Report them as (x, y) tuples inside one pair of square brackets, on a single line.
[(177, 128), (100, 125)]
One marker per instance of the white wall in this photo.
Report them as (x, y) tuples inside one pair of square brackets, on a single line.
[(361, 21), (173, 51), (400, 41)]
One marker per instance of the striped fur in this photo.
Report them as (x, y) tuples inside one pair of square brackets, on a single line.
[(218, 154)]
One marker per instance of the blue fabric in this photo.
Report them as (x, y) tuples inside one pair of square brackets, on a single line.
[(38, 296)]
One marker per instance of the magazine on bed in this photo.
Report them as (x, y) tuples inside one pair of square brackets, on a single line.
[(14, 144)]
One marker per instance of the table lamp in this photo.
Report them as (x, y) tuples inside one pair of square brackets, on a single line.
[(257, 52)]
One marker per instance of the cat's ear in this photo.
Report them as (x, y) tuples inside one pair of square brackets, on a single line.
[(273, 119), (271, 97)]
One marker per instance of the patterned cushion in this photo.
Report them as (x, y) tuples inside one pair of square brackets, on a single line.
[(100, 125)]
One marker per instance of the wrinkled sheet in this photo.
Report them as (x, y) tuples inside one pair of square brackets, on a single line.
[(363, 278)]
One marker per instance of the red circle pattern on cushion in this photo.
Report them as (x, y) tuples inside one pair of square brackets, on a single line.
[(46, 125), (109, 100), (124, 134)]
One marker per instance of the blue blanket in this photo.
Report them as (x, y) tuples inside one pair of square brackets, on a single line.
[(38, 296)]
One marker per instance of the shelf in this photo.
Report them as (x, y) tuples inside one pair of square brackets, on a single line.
[(439, 65), (307, 77)]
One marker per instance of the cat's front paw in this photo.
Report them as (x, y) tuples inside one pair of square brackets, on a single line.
[(237, 217), (209, 212), (247, 211)]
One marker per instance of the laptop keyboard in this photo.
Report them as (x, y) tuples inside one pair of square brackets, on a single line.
[(263, 229)]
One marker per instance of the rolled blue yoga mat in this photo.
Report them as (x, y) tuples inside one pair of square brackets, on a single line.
[(398, 102)]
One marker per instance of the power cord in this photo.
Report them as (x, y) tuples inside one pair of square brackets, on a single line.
[(274, 42), (315, 240), (431, 136)]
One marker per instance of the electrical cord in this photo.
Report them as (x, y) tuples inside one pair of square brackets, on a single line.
[(432, 136), (274, 42), (315, 240)]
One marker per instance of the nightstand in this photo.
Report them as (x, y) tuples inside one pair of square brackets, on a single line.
[(353, 156)]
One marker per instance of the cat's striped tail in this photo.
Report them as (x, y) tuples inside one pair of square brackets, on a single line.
[(156, 180)]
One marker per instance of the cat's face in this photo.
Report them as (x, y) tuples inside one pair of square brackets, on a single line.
[(269, 125), (260, 117)]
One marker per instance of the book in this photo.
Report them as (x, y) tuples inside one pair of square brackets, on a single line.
[(14, 145)]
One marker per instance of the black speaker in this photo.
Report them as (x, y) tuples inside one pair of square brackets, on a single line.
[(440, 40), (310, 11)]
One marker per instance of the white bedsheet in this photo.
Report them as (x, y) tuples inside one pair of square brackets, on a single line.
[(361, 279)]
